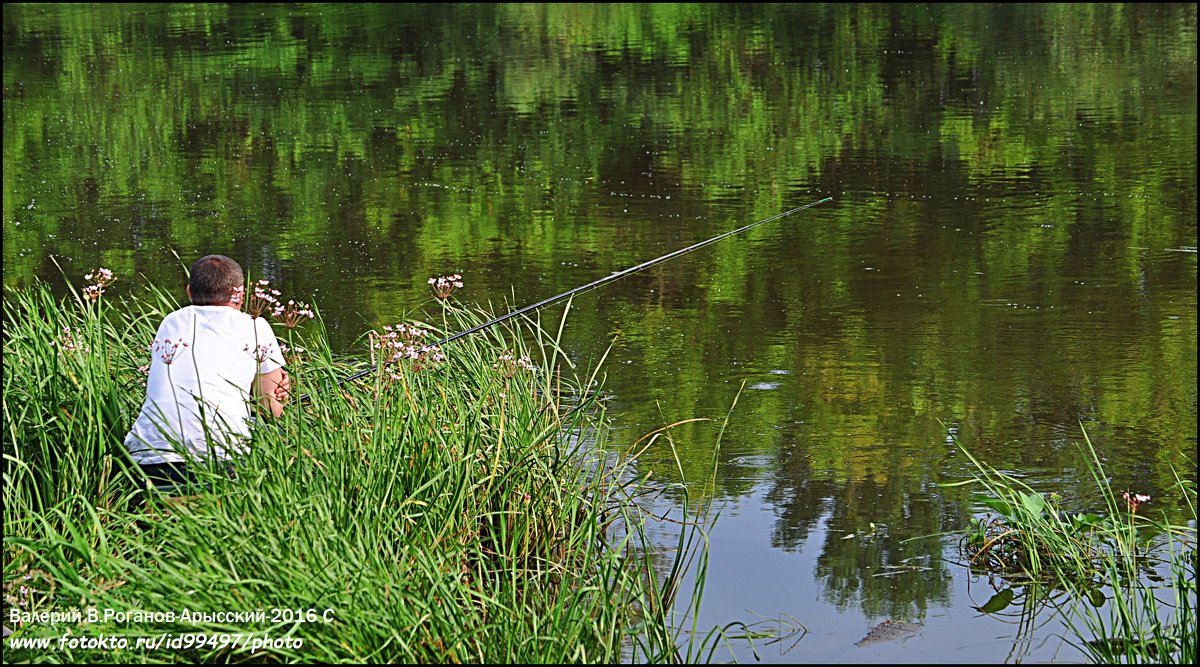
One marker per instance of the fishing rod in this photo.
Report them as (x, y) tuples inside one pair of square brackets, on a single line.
[(597, 283)]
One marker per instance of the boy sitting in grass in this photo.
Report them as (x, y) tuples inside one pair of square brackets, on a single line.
[(211, 362)]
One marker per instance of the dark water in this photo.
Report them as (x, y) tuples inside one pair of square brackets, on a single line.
[(1010, 254)]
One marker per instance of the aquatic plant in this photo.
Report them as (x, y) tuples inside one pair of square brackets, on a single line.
[(1109, 564), (444, 286), (101, 278), (166, 349), (264, 300), (293, 313)]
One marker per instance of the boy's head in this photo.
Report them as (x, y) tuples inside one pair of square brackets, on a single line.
[(214, 277)]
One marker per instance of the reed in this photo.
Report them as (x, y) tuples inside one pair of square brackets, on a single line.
[(468, 509)]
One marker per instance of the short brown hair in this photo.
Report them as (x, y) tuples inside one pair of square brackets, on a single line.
[(213, 279)]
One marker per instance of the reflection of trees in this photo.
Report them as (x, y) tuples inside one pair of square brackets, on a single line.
[(854, 570), (801, 499), (272, 105)]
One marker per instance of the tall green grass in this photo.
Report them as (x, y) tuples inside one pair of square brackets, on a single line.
[(460, 511), (1129, 576)]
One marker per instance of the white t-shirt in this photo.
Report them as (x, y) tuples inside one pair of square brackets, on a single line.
[(205, 359)]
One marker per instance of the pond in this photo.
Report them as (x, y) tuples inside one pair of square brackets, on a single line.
[(1009, 256)]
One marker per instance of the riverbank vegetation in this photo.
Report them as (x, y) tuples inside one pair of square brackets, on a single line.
[(457, 505), (1122, 579)]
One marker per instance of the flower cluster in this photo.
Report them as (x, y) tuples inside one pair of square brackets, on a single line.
[(69, 344), (403, 341), (1134, 500), (102, 278), (23, 600), (263, 300), (166, 349), (444, 286), (20, 591), (291, 314), (510, 364), (266, 301), (260, 353), (292, 355)]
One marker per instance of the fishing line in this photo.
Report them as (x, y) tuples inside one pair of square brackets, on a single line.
[(598, 283)]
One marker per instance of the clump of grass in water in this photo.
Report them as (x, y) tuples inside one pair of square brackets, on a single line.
[(453, 513), (1107, 564)]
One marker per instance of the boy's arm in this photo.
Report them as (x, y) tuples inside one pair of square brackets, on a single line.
[(272, 390)]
